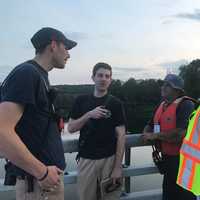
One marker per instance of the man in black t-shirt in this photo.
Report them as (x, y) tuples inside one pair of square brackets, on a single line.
[(29, 135), (101, 121)]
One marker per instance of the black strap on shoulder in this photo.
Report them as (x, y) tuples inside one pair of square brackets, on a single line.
[(108, 99), (195, 101), (191, 99), (51, 107)]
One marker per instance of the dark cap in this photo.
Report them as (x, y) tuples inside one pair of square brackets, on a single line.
[(175, 81), (45, 35)]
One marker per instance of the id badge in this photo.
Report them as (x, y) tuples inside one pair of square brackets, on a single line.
[(156, 128)]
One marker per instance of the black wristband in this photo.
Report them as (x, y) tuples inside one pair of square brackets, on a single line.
[(44, 176)]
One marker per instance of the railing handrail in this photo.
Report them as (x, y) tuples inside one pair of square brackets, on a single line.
[(70, 145), (132, 140)]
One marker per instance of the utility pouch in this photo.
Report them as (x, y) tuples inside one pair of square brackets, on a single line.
[(158, 160), (10, 178)]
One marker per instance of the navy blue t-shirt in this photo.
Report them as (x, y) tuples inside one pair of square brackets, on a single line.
[(98, 137), (28, 85)]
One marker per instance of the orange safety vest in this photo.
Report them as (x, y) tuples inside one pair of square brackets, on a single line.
[(167, 120), (189, 165)]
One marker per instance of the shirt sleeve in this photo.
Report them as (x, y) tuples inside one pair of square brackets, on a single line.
[(119, 114), (20, 86), (183, 112)]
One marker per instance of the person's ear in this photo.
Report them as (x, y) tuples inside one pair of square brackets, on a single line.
[(53, 45)]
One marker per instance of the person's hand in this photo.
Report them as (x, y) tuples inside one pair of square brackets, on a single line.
[(98, 112), (116, 175), (149, 137), (52, 180)]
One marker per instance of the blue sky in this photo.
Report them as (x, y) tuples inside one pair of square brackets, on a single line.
[(138, 38)]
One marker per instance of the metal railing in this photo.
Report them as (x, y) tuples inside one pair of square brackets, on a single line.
[(132, 140)]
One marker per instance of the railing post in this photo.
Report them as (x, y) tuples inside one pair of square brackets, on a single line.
[(127, 163)]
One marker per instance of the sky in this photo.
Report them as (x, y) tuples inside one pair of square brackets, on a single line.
[(140, 39)]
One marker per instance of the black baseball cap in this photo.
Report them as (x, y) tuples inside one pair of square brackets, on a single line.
[(44, 36)]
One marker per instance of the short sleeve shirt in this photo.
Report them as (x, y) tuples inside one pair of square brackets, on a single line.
[(98, 137), (28, 85)]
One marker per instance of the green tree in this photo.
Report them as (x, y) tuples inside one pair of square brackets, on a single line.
[(191, 75)]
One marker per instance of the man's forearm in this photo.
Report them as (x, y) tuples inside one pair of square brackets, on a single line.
[(147, 128), (174, 136), (19, 154), (121, 138), (11, 145), (76, 124)]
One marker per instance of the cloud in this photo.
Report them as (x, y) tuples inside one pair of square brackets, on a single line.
[(106, 36), (168, 21), (184, 15), (192, 16), (129, 69), (176, 63), (85, 36), (168, 3), (142, 72), (77, 35), (173, 66)]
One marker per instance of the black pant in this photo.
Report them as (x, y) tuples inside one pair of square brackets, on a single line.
[(172, 191)]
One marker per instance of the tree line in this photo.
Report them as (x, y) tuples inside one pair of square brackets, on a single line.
[(140, 97)]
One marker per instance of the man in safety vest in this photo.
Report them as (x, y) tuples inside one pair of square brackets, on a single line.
[(189, 166), (167, 128)]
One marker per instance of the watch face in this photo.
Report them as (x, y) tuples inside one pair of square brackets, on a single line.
[(108, 114)]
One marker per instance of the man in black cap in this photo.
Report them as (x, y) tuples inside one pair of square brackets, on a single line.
[(29, 136), (167, 128)]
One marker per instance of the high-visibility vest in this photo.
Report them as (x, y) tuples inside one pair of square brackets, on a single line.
[(166, 118), (189, 165)]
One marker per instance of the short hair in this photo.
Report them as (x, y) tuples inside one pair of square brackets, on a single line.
[(42, 49), (101, 65)]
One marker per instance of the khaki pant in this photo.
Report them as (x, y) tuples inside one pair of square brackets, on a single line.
[(38, 193), (90, 174)]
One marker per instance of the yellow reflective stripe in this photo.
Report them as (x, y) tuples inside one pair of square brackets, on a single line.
[(196, 134), (192, 127), (191, 151), (186, 174)]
